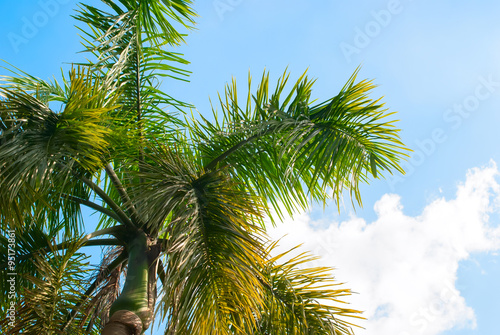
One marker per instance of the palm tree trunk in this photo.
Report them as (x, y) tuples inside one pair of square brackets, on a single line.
[(123, 323), (131, 309), (152, 290)]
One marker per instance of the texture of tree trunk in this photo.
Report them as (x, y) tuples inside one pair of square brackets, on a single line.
[(153, 255), (123, 323), (131, 307)]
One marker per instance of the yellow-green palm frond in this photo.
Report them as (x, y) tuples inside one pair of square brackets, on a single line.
[(18, 246), (56, 286), (295, 150), (303, 300), (213, 245), (130, 41), (42, 150)]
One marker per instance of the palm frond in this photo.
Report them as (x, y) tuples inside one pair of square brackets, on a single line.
[(42, 151), (107, 291), (20, 244), (56, 286), (303, 300), (212, 242), (290, 150), (130, 46), (100, 291), (128, 40), (42, 90)]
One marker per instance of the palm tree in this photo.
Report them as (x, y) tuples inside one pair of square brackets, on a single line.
[(181, 201)]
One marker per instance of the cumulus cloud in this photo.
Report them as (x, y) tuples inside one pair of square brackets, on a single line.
[(405, 267)]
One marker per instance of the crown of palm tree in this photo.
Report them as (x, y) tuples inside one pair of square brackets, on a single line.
[(182, 200)]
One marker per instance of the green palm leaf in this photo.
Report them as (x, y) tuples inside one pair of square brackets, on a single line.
[(213, 246), (38, 141), (54, 288), (303, 300), (299, 149), (128, 42), (182, 201)]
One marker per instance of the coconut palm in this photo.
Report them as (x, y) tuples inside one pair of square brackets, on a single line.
[(182, 200)]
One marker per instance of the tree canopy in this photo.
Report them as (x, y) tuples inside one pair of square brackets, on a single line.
[(182, 198)]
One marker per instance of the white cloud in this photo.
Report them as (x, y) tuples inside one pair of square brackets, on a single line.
[(404, 268)]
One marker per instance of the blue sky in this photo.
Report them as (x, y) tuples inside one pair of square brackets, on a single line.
[(437, 63)]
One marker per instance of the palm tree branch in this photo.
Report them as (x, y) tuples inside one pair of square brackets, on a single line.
[(301, 298), (127, 202), (213, 163), (216, 236), (334, 144), (86, 240), (64, 245), (95, 206), (107, 199), (56, 285)]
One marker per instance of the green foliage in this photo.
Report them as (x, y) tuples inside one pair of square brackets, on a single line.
[(128, 42), (302, 300), (55, 285), (74, 141), (299, 149), (184, 202), (214, 250)]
